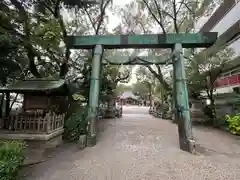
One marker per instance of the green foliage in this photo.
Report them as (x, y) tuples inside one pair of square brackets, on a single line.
[(140, 89), (121, 88), (203, 71), (11, 158), (111, 76), (76, 124), (77, 97), (32, 42), (48, 34), (234, 123)]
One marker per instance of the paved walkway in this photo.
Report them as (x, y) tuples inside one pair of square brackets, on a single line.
[(140, 147)]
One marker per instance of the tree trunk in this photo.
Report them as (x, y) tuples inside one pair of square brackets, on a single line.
[(4, 82), (7, 107), (1, 105), (213, 111), (150, 100), (14, 100), (7, 104), (111, 103)]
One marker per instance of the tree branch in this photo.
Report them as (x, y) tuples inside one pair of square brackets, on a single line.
[(160, 16), (90, 19), (103, 11), (168, 14), (180, 6), (103, 7), (57, 15), (31, 52), (154, 16), (56, 9), (175, 16), (118, 79), (159, 76)]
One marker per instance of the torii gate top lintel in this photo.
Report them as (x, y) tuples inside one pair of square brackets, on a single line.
[(192, 40)]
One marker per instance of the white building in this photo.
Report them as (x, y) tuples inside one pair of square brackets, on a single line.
[(225, 20)]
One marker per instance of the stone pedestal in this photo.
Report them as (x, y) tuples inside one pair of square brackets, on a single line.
[(188, 146), (91, 141), (119, 112), (110, 113), (38, 145), (82, 141)]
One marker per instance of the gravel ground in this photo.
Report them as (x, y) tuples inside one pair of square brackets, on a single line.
[(140, 147)]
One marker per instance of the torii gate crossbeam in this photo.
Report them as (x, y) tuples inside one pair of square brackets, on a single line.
[(135, 60)]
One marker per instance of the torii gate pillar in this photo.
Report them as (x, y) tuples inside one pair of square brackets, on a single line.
[(182, 112), (94, 96)]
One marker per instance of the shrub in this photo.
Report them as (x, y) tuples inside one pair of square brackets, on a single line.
[(234, 124), (76, 124), (11, 158)]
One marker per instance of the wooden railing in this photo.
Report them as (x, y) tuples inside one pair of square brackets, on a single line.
[(33, 122)]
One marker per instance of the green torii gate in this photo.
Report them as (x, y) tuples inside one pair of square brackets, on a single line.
[(174, 41)]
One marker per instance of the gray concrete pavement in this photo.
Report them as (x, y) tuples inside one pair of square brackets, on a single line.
[(140, 147)]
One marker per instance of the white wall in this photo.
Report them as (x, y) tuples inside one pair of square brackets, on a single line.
[(236, 47), (199, 24), (202, 20), (228, 20), (228, 89)]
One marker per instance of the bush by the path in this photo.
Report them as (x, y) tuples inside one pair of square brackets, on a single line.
[(11, 158), (234, 124), (76, 124)]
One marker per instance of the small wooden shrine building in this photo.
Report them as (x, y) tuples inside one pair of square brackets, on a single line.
[(41, 117), (128, 98), (41, 98)]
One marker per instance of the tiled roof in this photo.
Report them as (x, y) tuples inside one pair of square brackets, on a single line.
[(34, 85), (126, 95)]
